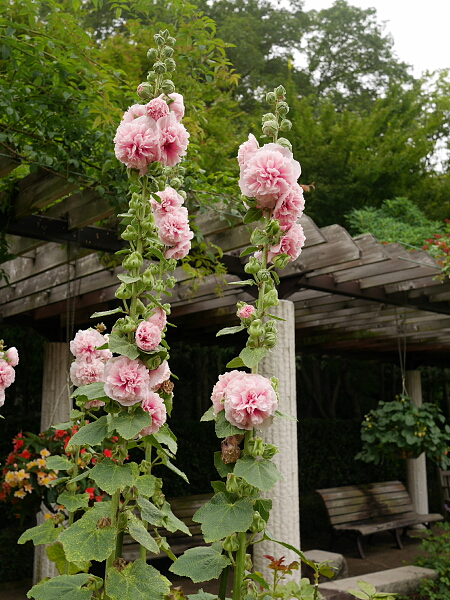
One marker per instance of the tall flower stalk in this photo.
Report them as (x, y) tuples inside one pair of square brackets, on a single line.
[(124, 391)]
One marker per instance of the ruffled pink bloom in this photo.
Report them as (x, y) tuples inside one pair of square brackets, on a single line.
[(126, 380), (94, 404), (85, 343), (289, 207), (12, 356), (174, 228), (245, 311), (83, 372), (2, 396), (158, 376), (157, 108), (268, 174), (137, 110), (7, 374), (250, 401), (218, 392), (178, 251), (173, 140), (177, 106), (154, 405), (158, 318), (137, 143), (170, 202), (247, 149), (291, 243), (148, 336)]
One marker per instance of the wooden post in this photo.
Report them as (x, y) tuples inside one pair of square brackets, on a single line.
[(416, 467), (284, 522), (56, 405)]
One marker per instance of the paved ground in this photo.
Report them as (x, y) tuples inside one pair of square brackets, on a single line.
[(381, 554)]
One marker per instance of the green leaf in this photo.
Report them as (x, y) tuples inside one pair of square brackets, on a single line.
[(259, 580), (55, 553), (251, 356), (58, 463), (128, 425), (201, 595), (127, 278), (368, 588), (106, 313), (173, 523), (221, 517), (119, 344), (92, 391), (224, 428), (229, 330), (81, 476), (299, 553), (201, 564), (166, 437), (282, 415), (91, 434), (222, 468), (242, 282), (83, 540), (263, 506), (41, 534), (150, 513), (138, 581), (73, 502), (145, 485), (208, 415), (62, 587), (109, 476), (358, 594), (262, 474), (249, 250), (235, 363), (139, 533), (253, 214)]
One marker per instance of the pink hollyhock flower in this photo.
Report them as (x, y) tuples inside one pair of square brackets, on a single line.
[(125, 380), (94, 404), (154, 405), (137, 110), (289, 207), (173, 140), (178, 251), (158, 376), (12, 356), (245, 311), (268, 174), (247, 150), (218, 392), (291, 243), (157, 108), (137, 143), (177, 106), (85, 343), (148, 336), (83, 372), (2, 396), (158, 318), (171, 201), (7, 374), (250, 401), (174, 228)]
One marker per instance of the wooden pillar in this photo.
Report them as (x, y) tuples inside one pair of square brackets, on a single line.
[(284, 522), (56, 405), (416, 467)]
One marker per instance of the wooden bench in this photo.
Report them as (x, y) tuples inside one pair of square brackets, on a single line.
[(183, 508), (361, 510)]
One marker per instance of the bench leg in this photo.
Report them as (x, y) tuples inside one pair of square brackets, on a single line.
[(396, 535), (360, 548)]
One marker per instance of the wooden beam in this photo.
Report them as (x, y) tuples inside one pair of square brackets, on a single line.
[(37, 190), (7, 163)]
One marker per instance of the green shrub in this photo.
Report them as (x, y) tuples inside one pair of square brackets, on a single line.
[(437, 547)]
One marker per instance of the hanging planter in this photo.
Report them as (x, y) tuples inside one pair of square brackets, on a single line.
[(400, 429)]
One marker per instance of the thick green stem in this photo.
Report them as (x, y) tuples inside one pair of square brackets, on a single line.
[(239, 568), (148, 458), (223, 582), (115, 499)]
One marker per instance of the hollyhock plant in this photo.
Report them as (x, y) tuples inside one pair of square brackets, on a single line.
[(86, 343), (153, 404), (148, 336), (137, 143), (156, 377), (176, 105), (158, 318), (218, 392), (83, 372), (173, 228), (180, 250), (250, 401), (170, 202), (157, 108), (126, 380), (246, 311), (12, 356), (291, 243), (173, 139), (289, 207), (137, 110)]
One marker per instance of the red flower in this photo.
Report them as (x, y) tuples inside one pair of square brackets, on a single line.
[(98, 498), (107, 453), (25, 454), (91, 492), (59, 433)]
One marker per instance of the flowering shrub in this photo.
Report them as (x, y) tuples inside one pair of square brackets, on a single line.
[(8, 360), (400, 429), (439, 248)]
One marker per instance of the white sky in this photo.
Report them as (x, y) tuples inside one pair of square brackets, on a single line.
[(420, 28)]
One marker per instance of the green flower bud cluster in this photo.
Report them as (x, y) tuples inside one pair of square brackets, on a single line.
[(236, 485), (275, 121), (163, 64), (230, 543), (257, 447), (258, 523)]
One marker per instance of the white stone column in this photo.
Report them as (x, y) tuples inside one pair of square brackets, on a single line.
[(284, 522), (56, 405), (416, 467)]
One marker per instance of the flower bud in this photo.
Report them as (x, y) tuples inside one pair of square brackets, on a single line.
[(158, 498), (280, 92), (71, 487), (281, 261), (258, 523), (122, 521), (145, 91), (176, 182), (272, 227), (94, 583), (127, 325), (268, 117), (271, 298), (133, 261), (160, 41), (171, 65), (130, 233), (145, 466), (282, 108), (255, 447), (270, 128), (232, 483), (264, 275), (256, 328), (140, 306), (123, 292), (285, 125), (270, 340), (59, 518), (159, 67), (269, 451), (167, 51), (253, 266), (271, 98), (171, 41), (231, 543), (147, 278), (103, 522), (248, 562), (170, 282), (284, 143), (152, 53), (164, 33), (131, 494), (168, 86), (151, 76)]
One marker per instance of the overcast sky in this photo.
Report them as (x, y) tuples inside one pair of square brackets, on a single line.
[(421, 30)]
